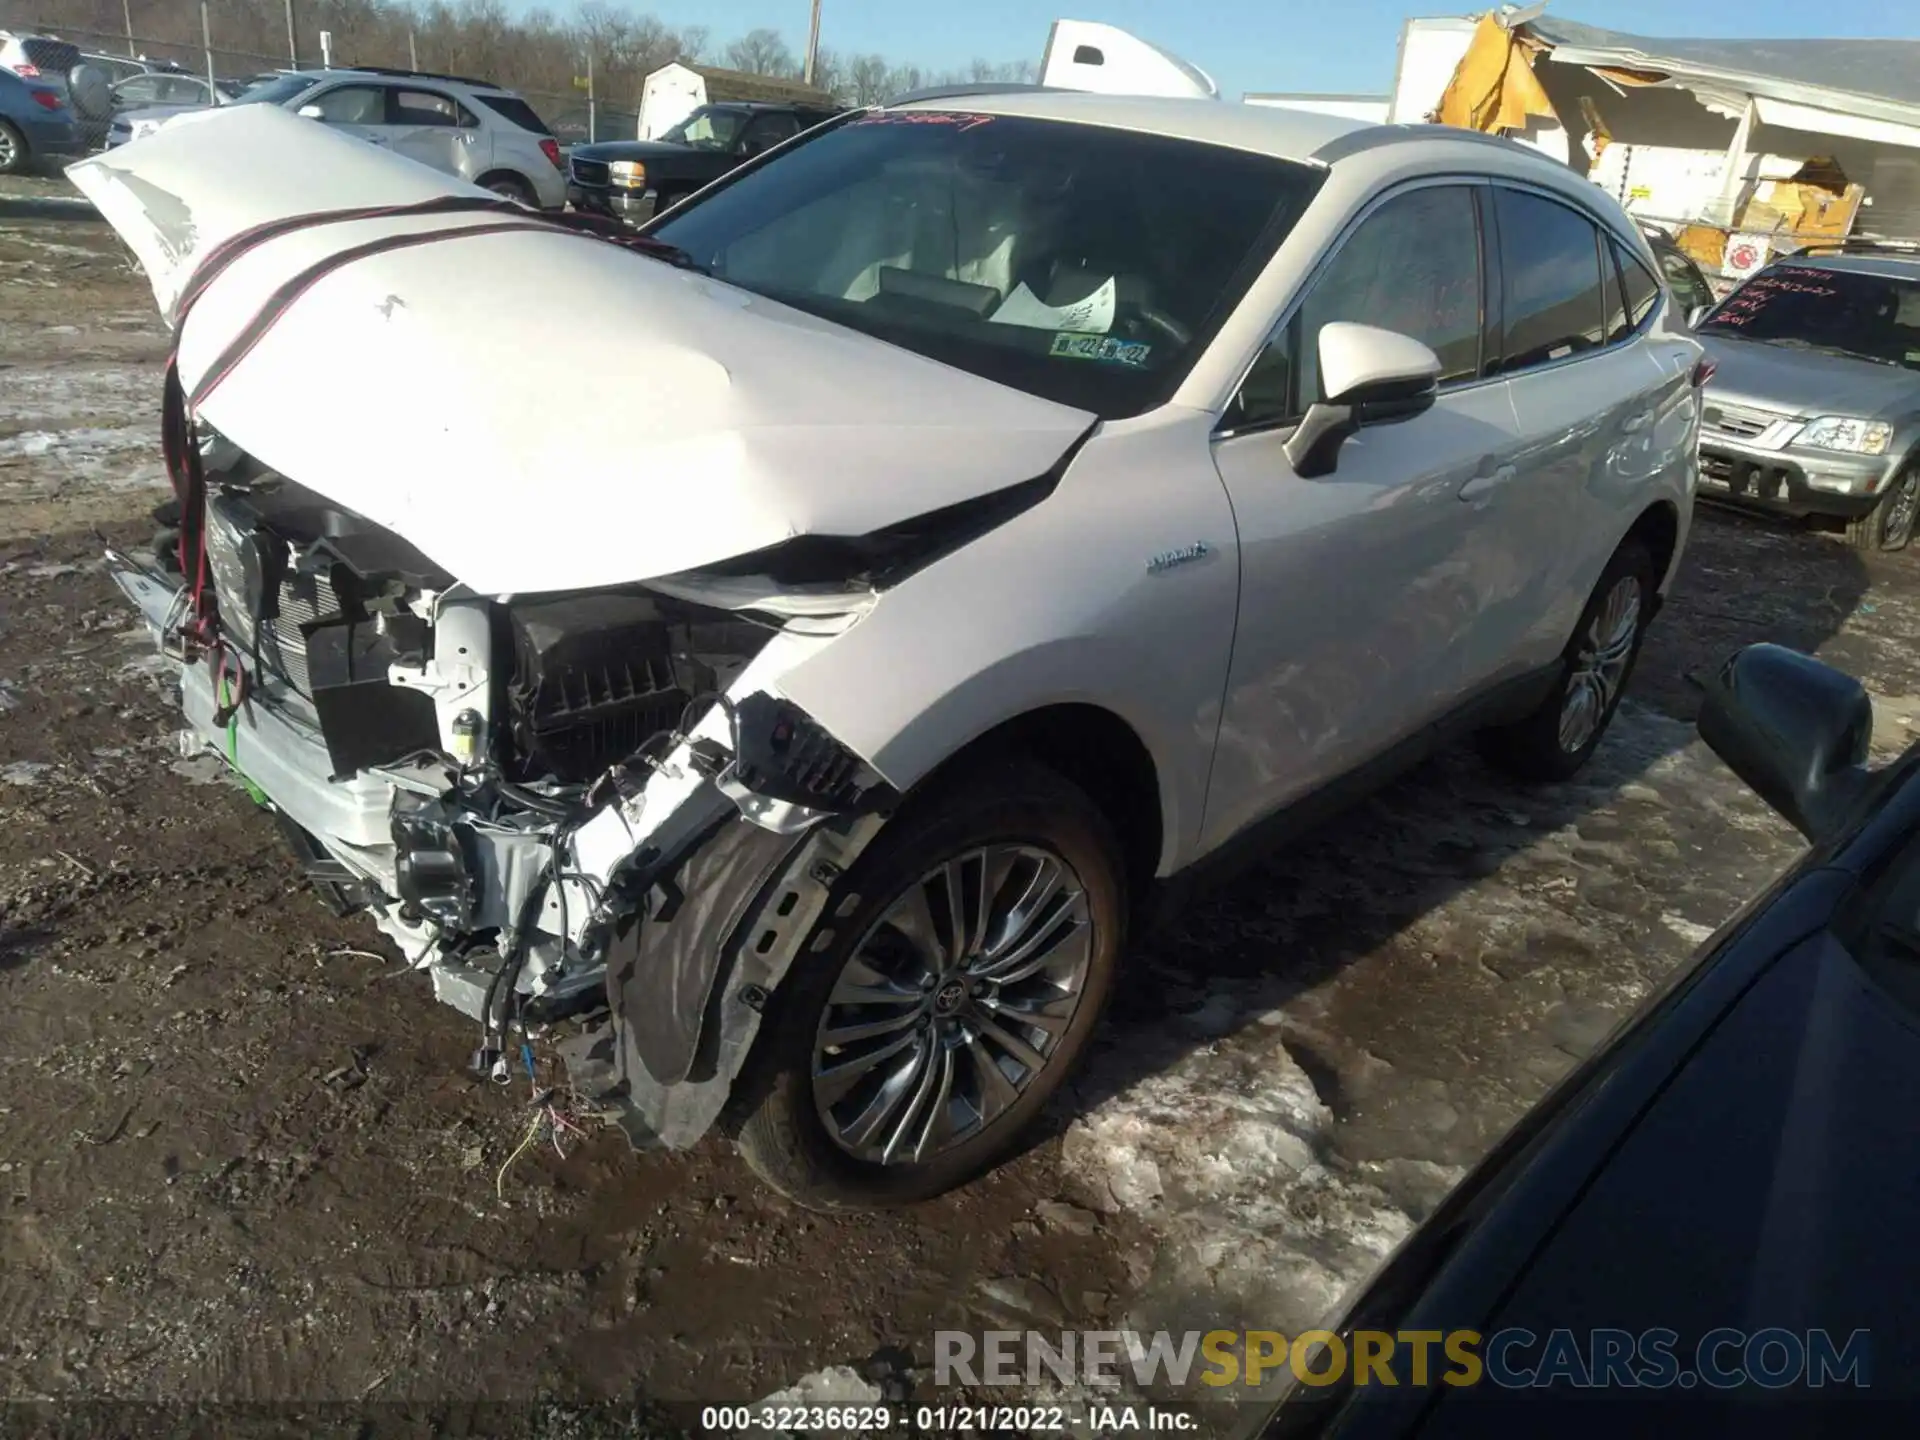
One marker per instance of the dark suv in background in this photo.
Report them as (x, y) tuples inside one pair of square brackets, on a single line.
[(633, 180), (1814, 404)]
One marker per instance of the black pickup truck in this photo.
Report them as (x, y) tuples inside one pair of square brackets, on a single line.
[(635, 179)]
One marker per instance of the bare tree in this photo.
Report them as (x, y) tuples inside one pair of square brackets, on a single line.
[(866, 81), (763, 52)]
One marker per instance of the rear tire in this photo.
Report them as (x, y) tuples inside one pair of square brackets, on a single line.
[(14, 155), (513, 188), (948, 1096), (1890, 524), (1562, 733)]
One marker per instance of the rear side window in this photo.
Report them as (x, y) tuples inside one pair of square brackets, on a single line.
[(51, 57), (1643, 291), (1554, 302), (424, 107), (516, 110)]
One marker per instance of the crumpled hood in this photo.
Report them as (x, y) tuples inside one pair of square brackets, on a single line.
[(1807, 383), (539, 410)]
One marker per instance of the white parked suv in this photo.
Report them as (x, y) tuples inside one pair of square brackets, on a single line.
[(471, 129), (964, 524)]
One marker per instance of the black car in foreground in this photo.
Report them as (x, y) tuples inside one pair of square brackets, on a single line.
[(1709, 1228), (633, 180)]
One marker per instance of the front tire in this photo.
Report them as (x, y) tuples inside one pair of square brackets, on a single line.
[(1890, 524), (912, 1053), (1562, 733)]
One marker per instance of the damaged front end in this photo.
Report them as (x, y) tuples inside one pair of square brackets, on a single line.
[(592, 807)]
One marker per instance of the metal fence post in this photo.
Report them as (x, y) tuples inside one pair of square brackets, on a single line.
[(126, 12), (206, 41), (293, 39), (413, 51), (593, 132)]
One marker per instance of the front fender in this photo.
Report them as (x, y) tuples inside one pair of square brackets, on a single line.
[(1071, 602)]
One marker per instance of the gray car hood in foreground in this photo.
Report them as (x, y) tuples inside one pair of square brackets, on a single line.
[(1806, 383), (540, 410)]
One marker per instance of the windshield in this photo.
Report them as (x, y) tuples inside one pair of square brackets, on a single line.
[(277, 91), (1075, 262), (1837, 312), (706, 129)]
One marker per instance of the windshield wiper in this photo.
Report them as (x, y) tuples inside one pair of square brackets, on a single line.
[(1794, 342), (664, 251)]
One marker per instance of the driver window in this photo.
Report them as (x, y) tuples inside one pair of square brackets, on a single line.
[(766, 132), (1413, 266), (352, 105)]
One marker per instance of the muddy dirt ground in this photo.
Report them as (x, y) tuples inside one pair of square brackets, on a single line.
[(240, 1158)]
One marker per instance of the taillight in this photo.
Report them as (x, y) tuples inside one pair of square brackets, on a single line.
[(45, 99), (550, 148), (27, 72), (1703, 369)]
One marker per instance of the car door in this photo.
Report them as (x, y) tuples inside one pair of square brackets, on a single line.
[(355, 108), (1588, 393), (1691, 292), (437, 130), (1355, 586)]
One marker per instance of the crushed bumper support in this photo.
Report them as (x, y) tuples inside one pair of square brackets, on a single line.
[(721, 966)]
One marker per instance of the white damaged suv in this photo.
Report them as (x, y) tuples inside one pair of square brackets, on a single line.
[(954, 527)]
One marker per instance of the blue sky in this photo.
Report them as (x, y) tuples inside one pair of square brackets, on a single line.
[(1314, 45)]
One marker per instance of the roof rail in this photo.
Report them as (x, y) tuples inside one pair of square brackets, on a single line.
[(984, 87), (403, 73), (1374, 137)]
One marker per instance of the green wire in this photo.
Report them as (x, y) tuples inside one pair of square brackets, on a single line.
[(233, 744)]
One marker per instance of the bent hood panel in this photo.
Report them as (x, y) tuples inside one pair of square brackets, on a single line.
[(540, 410)]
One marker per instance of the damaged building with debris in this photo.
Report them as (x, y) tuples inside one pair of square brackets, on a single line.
[(1740, 149)]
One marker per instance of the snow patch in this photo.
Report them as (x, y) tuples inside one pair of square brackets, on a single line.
[(1690, 931)]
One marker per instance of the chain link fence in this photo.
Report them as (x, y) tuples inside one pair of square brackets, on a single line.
[(574, 117)]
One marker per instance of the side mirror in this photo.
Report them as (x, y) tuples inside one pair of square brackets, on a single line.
[(311, 112), (1795, 730), (1371, 377), (1696, 315)]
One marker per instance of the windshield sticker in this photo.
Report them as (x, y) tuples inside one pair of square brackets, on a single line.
[(1109, 349), (1753, 297), (960, 120), (1023, 307)]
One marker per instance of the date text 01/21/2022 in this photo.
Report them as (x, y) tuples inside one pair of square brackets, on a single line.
[(941, 1419)]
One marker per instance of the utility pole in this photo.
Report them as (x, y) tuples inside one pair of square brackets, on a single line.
[(206, 41), (293, 39), (126, 10), (813, 44), (593, 108), (413, 51)]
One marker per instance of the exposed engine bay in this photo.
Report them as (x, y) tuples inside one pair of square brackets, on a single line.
[(509, 786)]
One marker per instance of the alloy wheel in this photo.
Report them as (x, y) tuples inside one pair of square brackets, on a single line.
[(951, 1004), (9, 151), (1601, 665)]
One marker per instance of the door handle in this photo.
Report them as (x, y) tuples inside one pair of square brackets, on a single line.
[(1481, 487)]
